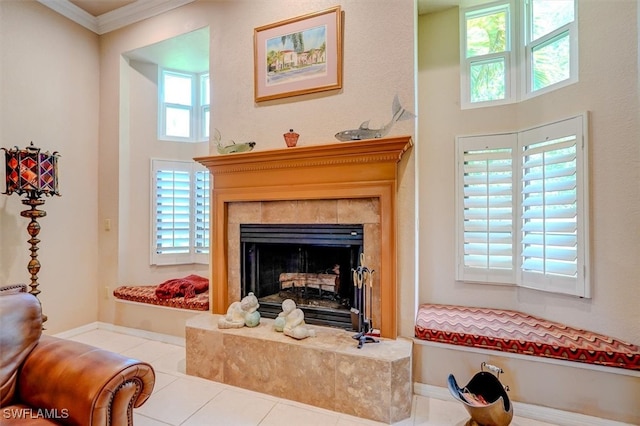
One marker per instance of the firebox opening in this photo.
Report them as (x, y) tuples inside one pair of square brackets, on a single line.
[(310, 264)]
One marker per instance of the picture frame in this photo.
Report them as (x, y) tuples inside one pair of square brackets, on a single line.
[(298, 56)]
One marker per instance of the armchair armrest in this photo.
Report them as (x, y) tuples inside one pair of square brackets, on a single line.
[(89, 386)]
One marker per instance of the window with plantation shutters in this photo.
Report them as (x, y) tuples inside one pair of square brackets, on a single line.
[(180, 211), (486, 208), (521, 208), (553, 214)]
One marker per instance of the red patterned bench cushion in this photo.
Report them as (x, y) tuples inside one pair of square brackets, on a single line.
[(516, 332), (147, 294)]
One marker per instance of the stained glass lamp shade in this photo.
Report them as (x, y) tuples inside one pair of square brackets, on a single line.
[(31, 171)]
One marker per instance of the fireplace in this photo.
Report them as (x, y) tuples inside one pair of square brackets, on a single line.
[(308, 263), (338, 184)]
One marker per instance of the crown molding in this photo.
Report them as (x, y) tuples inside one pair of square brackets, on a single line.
[(121, 17), (135, 12), (73, 12)]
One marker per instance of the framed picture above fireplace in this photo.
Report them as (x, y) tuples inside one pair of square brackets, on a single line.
[(298, 56)]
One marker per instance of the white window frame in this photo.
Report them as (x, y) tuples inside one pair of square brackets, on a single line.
[(197, 251), (509, 55), (518, 142), (518, 57), (197, 110), (204, 106)]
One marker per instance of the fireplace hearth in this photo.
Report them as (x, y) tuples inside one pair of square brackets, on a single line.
[(308, 263)]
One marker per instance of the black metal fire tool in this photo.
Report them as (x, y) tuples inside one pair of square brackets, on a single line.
[(362, 276)]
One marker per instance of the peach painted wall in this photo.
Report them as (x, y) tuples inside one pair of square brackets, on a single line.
[(49, 70), (608, 90)]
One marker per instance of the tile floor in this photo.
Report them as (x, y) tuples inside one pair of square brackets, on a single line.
[(178, 399)]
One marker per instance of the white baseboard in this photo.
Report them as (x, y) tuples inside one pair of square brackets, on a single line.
[(165, 338), (536, 412), (78, 330)]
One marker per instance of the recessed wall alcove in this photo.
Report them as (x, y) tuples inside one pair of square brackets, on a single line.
[(349, 182)]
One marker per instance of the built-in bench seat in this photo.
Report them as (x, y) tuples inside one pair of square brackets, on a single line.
[(516, 332), (147, 294)]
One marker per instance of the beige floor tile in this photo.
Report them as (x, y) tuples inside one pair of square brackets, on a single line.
[(116, 342), (173, 362), (163, 356), (151, 350), (285, 414), (162, 380), (177, 401), (140, 420), (346, 420), (232, 408), (521, 421), (435, 412)]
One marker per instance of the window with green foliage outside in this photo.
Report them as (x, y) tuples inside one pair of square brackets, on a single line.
[(487, 49), (500, 39), (549, 42)]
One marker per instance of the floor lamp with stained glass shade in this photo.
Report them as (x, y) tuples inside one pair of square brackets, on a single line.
[(34, 174)]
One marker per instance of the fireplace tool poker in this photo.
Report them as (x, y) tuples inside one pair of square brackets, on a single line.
[(363, 298)]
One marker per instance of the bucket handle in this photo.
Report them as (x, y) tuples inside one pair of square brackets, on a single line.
[(495, 370), (492, 368)]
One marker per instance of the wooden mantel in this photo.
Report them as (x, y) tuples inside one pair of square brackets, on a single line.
[(346, 170)]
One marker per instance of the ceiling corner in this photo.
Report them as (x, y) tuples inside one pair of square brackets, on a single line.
[(73, 12), (115, 19)]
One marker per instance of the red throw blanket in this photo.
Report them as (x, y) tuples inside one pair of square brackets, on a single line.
[(187, 287)]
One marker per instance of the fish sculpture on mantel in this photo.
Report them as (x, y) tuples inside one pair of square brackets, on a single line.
[(364, 132), (233, 147)]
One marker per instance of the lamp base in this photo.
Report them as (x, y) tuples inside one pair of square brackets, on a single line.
[(34, 229)]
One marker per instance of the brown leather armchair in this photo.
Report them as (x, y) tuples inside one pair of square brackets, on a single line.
[(47, 380)]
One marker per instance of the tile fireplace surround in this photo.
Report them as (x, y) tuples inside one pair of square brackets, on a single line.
[(344, 183)]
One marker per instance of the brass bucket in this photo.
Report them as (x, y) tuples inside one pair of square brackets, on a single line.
[(484, 397)]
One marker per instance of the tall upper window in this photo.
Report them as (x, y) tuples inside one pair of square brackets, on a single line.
[(180, 212), (538, 37), (183, 106), (488, 54), (521, 208)]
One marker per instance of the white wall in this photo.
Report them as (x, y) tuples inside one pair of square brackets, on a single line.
[(49, 95), (377, 65), (608, 89)]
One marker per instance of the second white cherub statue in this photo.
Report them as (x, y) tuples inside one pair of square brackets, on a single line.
[(291, 321)]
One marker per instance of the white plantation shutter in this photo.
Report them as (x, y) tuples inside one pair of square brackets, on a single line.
[(553, 213), (486, 210), (172, 211), (521, 208), (180, 211), (201, 212)]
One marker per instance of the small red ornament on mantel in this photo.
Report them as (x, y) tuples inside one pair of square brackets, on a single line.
[(291, 138)]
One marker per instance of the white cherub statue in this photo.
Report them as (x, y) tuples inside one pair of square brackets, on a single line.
[(291, 321), (242, 313)]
